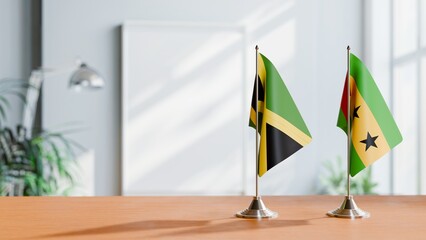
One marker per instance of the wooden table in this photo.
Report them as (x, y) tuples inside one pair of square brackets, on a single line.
[(392, 217)]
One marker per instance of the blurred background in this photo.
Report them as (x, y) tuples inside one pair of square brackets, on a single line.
[(172, 115)]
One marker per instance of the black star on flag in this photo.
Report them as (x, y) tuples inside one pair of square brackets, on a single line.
[(355, 115), (369, 141)]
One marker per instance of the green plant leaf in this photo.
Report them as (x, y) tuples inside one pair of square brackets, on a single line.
[(45, 160), (333, 181)]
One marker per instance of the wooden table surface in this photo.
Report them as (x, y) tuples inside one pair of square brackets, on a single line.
[(392, 217)]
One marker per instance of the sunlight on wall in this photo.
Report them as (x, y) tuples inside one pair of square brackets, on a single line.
[(405, 34), (197, 57), (280, 43), (188, 94), (406, 115), (265, 13), (193, 106)]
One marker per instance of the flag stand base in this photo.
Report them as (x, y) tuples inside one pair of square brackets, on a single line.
[(348, 209), (257, 209)]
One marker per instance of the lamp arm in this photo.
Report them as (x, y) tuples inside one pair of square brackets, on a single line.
[(47, 72), (33, 94), (31, 100)]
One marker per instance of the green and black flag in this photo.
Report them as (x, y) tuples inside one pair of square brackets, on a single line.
[(281, 127)]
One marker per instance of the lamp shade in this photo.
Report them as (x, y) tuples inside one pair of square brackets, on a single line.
[(86, 77)]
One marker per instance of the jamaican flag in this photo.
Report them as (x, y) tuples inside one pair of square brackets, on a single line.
[(374, 131), (281, 127)]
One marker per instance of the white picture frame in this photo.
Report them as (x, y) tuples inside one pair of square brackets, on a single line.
[(151, 94)]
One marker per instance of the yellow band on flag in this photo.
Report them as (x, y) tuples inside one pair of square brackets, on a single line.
[(286, 127), (261, 71), (365, 123), (263, 164), (260, 106)]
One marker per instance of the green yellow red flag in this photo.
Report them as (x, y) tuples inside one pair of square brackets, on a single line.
[(374, 131), (281, 127)]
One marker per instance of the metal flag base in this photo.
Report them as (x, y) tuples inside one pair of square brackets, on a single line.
[(257, 209), (349, 209)]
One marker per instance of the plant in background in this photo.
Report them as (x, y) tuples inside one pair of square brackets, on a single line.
[(10, 87), (335, 177), (32, 165)]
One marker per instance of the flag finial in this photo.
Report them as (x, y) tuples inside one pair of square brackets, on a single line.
[(257, 47), (349, 48)]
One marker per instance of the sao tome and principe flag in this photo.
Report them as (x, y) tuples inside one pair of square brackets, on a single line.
[(281, 127), (374, 131)]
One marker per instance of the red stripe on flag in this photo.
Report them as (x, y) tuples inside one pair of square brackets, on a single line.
[(344, 102)]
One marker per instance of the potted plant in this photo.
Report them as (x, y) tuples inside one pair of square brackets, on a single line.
[(333, 181), (40, 164)]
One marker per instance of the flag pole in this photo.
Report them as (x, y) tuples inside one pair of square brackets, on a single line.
[(257, 123), (257, 208), (348, 209), (348, 88)]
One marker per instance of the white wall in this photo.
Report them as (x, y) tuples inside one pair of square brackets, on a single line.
[(395, 62), (305, 39), (15, 47)]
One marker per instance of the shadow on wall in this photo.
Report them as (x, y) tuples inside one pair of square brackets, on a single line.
[(188, 106)]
